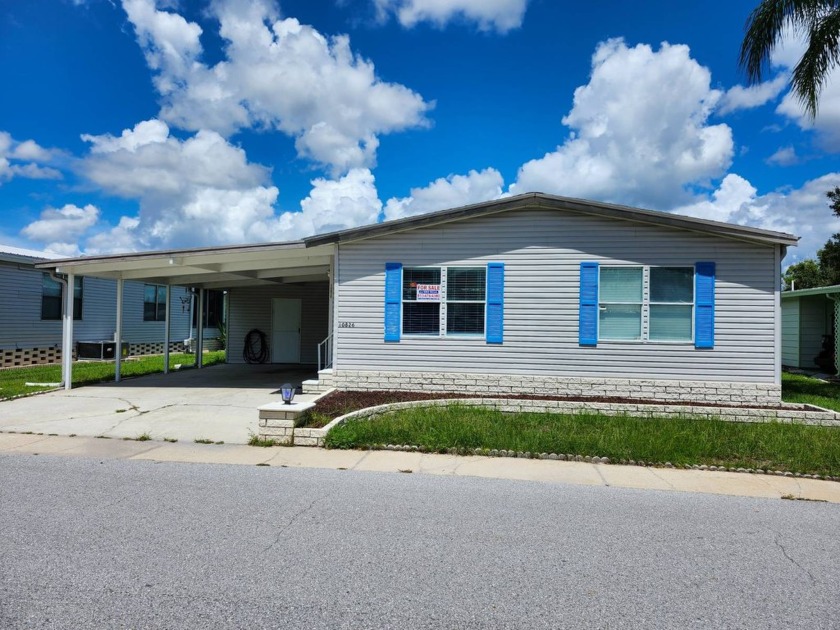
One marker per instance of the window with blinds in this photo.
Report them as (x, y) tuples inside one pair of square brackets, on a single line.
[(646, 303), (620, 304), (420, 302), (466, 289), (671, 303), (452, 296)]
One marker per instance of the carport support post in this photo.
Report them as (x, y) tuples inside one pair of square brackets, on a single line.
[(118, 334), (199, 341), (67, 332), (168, 303)]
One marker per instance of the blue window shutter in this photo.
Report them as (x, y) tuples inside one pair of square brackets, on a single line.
[(393, 301), (588, 324), (704, 305), (495, 320)]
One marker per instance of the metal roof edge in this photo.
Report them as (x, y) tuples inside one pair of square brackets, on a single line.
[(197, 251), (553, 202), (829, 290)]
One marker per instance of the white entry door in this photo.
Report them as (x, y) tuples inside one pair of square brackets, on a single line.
[(285, 330)]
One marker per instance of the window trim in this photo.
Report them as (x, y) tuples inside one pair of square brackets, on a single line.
[(442, 331), (158, 302), (76, 300), (646, 303)]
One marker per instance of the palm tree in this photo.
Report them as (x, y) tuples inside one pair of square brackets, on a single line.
[(818, 20)]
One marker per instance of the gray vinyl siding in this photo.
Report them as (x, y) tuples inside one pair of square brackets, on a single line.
[(790, 333), (21, 325), (135, 330), (542, 252), (250, 307), (814, 322)]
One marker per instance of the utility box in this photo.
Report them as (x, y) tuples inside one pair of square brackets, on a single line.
[(99, 350)]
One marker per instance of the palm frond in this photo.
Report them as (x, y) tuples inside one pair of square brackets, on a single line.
[(822, 54), (767, 23)]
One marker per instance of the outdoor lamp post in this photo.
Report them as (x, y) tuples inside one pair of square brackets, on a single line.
[(287, 391)]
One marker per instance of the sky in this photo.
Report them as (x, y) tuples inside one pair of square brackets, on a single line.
[(132, 125)]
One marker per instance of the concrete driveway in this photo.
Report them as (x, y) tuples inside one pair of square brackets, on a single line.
[(217, 403)]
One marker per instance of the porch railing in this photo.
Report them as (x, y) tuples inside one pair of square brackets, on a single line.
[(325, 353)]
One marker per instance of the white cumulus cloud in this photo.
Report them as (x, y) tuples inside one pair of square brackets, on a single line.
[(24, 159), (740, 97), (498, 15), (277, 74), (447, 192), (60, 228), (640, 132), (201, 190), (332, 204), (803, 211), (785, 156)]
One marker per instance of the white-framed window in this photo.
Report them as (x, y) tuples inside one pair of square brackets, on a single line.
[(443, 301), (646, 304), (154, 303), (51, 306)]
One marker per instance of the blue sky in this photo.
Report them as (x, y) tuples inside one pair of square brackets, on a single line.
[(129, 125)]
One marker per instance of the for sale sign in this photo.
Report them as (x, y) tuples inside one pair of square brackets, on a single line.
[(428, 293)]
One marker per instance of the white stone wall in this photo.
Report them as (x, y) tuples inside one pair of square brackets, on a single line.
[(487, 385), (790, 413)]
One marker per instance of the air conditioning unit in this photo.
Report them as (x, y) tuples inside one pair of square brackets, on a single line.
[(99, 350)]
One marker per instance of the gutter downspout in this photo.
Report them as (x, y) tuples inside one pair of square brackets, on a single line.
[(66, 327)]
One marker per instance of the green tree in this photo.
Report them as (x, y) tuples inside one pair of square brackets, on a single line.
[(829, 259), (805, 274), (834, 198), (818, 20)]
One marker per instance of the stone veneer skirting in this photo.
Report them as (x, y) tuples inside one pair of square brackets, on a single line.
[(498, 385)]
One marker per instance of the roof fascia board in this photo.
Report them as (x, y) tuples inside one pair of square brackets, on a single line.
[(548, 202), (223, 251)]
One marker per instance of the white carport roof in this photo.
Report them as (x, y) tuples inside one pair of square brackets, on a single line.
[(218, 267)]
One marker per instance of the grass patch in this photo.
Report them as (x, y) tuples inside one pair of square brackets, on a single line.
[(13, 380), (681, 441), (171, 440), (255, 440), (203, 441), (798, 388)]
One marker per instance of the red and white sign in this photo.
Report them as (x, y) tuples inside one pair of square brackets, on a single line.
[(428, 293)]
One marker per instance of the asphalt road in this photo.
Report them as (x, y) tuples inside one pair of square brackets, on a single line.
[(113, 544)]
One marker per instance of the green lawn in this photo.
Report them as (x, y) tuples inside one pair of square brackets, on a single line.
[(777, 446), (803, 389), (13, 381), (790, 447)]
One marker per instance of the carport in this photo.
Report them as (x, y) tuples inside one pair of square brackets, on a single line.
[(216, 404), (285, 287)]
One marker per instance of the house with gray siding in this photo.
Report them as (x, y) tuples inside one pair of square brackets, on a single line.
[(809, 321), (31, 326), (534, 293)]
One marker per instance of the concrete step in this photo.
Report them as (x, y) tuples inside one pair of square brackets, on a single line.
[(315, 386)]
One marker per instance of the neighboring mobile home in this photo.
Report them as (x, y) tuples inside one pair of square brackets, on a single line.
[(31, 326), (809, 320), (534, 293)]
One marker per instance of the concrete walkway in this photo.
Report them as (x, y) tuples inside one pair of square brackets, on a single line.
[(558, 472)]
